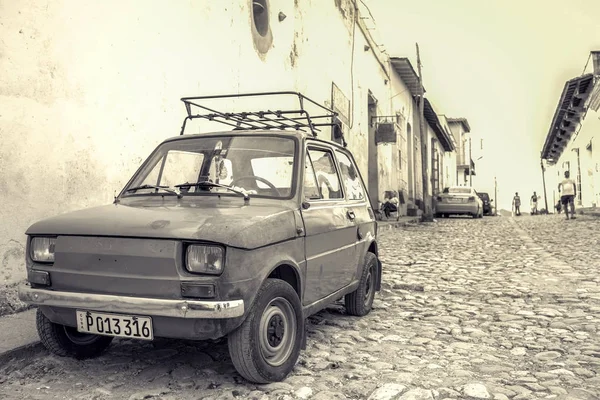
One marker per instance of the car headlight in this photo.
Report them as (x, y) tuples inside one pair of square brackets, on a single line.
[(204, 259), (42, 249)]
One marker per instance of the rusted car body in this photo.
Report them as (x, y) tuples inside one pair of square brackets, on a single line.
[(238, 256)]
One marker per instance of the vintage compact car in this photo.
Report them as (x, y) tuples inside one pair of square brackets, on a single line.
[(243, 233), (459, 200)]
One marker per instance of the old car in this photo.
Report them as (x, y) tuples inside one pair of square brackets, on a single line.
[(459, 200), (241, 233), (487, 203)]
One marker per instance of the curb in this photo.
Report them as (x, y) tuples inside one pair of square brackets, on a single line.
[(27, 351), (397, 224)]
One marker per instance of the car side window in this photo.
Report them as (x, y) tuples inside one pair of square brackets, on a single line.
[(328, 181), (352, 183), (311, 190)]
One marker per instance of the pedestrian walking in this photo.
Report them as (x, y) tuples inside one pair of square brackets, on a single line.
[(517, 204), (534, 204), (569, 191)]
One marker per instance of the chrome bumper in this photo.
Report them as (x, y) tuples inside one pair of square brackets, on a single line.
[(133, 305)]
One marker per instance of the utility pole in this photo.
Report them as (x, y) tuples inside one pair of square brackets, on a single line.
[(428, 212), (470, 162), (496, 195), (579, 196), (544, 182)]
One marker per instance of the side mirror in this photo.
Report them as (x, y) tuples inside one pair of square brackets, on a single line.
[(491, 200)]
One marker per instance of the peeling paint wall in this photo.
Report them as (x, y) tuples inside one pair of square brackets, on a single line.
[(88, 89)]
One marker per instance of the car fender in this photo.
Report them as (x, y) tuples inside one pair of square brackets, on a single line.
[(373, 243)]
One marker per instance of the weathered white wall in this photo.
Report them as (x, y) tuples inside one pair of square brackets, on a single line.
[(450, 157), (88, 89), (402, 104), (589, 160)]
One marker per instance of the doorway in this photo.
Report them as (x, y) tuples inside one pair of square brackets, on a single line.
[(373, 176)]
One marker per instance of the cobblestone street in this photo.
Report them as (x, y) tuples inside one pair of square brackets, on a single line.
[(490, 308)]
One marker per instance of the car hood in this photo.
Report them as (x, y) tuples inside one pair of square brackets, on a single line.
[(243, 226)]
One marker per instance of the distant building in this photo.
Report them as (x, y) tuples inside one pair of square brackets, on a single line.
[(572, 137), (465, 165)]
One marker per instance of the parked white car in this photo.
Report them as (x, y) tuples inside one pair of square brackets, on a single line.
[(461, 200)]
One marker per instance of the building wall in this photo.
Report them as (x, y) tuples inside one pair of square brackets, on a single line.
[(88, 89), (450, 157), (402, 108), (417, 160), (589, 160)]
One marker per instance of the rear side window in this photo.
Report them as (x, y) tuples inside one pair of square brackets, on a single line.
[(352, 184), (328, 181)]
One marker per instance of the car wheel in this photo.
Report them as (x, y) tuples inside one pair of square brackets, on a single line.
[(360, 301), (266, 346), (66, 341)]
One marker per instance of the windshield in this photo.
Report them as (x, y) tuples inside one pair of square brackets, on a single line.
[(458, 190), (261, 166), (484, 196)]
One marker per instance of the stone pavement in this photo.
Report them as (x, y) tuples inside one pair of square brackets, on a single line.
[(494, 308)]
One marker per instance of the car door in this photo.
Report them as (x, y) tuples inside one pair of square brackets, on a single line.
[(358, 208), (330, 242)]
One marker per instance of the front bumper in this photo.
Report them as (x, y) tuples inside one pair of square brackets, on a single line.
[(133, 305)]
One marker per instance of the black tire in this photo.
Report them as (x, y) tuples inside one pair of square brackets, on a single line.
[(360, 301), (261, 351), (65, 341)]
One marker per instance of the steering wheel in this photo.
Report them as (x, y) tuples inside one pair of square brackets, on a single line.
[(257, 178)]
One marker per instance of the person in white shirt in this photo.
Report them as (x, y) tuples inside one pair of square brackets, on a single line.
[(534, 204), (569, 191), (390, 203)]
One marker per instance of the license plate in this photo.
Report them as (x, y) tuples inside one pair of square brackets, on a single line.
[(128, 326), (454, 200)]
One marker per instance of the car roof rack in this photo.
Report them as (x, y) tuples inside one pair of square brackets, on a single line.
[(298, 119)]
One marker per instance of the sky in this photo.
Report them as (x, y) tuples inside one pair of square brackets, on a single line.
[(501, 64)]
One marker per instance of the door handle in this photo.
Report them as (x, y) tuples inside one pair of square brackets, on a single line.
[(351, 215)]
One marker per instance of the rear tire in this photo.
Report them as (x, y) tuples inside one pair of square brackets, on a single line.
[(360, 302), (266, 346), (66, 341)]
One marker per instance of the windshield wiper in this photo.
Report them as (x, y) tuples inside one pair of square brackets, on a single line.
[(212, 184), (157, 187)]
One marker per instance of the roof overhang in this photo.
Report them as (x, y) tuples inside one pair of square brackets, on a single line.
[(434, 122), (462, 121), (569, 112), (407, 73)]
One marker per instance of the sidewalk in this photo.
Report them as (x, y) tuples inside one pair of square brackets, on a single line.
[(19, 336), (592, 211), (392, 223)]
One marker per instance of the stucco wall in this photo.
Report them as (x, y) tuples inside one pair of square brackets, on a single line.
[(589, 162), (88, 89)]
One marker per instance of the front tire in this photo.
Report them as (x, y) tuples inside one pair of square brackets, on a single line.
[(360, 301), (66, 341), (266, 346)]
